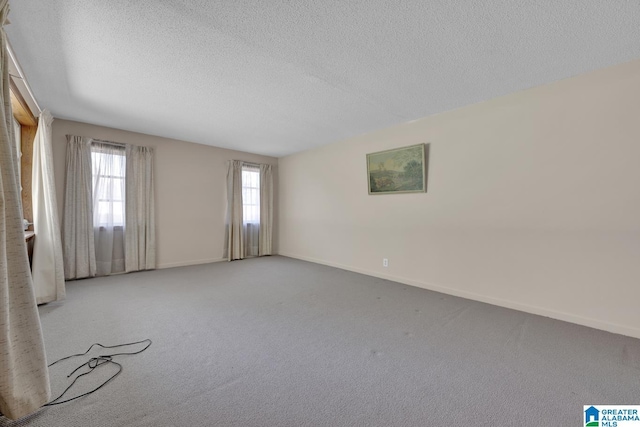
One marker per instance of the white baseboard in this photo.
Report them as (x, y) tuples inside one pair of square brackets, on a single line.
[(541, 311), (189, 262)]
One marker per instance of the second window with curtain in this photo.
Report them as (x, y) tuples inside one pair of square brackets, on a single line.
[(249, 210)]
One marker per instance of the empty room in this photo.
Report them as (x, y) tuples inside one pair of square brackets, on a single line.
[(319, 213)]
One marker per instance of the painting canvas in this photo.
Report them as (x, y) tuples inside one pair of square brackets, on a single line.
[(401, 170)]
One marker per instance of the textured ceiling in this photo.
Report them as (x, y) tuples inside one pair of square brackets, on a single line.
[(280, 76)]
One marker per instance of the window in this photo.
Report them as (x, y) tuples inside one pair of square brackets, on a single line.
[(251, 194), (17, 130), (108, 166)]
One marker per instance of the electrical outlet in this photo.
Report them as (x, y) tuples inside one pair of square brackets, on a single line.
[(385, 262)]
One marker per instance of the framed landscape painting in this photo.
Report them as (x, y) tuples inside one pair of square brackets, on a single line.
[(401, 170)]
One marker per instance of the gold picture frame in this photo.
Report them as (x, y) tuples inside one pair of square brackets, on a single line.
[(399, 170)]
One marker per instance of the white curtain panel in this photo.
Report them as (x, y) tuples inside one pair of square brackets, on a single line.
[(250, 209), (108, 169), (140, 230), (266, 210), (24, 378), (46, 267), (77, 225), (234, 244), (251, 236)]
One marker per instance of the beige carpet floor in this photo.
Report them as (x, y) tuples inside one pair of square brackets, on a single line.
[(281, 342)]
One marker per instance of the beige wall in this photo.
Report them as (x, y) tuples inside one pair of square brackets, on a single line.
[(190, 184), (533, 203)]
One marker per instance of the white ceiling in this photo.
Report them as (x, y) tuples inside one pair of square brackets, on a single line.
[(276, 77)]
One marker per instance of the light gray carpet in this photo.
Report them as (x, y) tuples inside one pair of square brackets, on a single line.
[(280, 342)]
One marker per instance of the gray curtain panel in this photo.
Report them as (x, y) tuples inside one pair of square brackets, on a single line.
[(234, 245), (140, 229), (47, 266), (24, 377), (266, 210), (77, 227)]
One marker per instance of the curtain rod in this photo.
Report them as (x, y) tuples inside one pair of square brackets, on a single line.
[(243, 162), (103, 141), (119, 144)]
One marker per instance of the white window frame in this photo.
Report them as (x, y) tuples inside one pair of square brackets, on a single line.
[(96, 150), (251, 183)]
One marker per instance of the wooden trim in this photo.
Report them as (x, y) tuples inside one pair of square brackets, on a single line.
[(21, 110), (26, 161)]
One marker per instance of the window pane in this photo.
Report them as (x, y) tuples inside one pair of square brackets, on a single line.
[(18, 137), (251, 195), (118, 213), (118, 166), (118, 189), (108, 169), (103, 213)]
